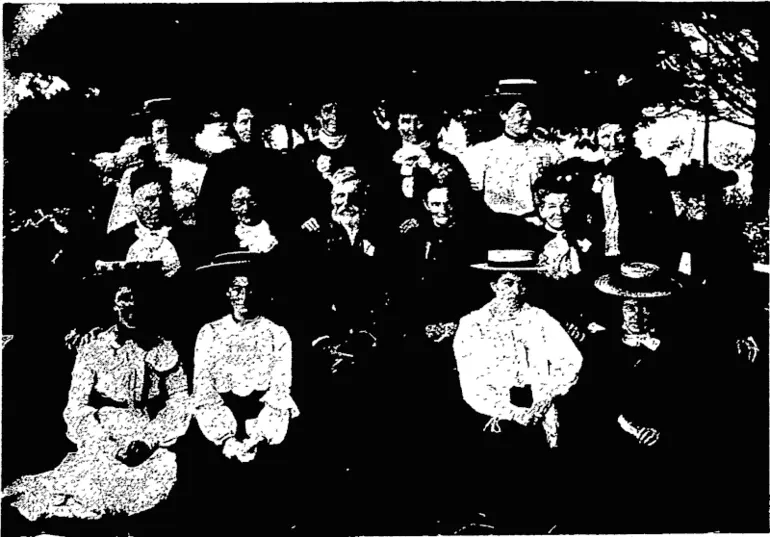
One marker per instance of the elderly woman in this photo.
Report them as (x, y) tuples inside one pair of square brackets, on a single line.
[(515, 362), (128, 403), (242, 394)]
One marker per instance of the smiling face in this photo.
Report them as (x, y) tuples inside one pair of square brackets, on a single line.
[(613, 139), (438, 204), (518, 120), (554, 208)]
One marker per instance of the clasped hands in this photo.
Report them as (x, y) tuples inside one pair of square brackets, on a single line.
[(135, 453), (244, 450), (532, 415)]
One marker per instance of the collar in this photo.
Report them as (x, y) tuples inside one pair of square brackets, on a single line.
[(331, 141), (143, 232), (641, 340)]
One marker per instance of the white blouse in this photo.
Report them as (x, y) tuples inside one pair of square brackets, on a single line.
[(507, 170), (257, 239), (496, 354), (242, 358)]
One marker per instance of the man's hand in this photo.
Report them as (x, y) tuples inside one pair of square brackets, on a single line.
[(577, 335), (439, 332), (311, 225), (648, 436), (523, 416), (232, 448), (747, 349), (539, 409), (408, 225), (135, 453)]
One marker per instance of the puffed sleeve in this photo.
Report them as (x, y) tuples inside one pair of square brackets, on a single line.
[(82, 423), (173, 420), (273, 421), (470, 352), (550, 346), (215, 420)]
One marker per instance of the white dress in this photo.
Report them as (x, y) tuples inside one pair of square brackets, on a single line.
[(243, 358), (496, 354), (91, 482)]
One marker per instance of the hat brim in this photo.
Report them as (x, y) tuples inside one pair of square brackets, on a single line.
[(236, 264), (492, 267), (617, 285)]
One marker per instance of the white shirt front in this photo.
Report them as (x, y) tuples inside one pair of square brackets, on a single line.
[(257, 239)]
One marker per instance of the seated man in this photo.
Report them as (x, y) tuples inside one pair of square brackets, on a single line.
[(514, 362)]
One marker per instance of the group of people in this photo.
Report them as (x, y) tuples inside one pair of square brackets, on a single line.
[(310, 334)]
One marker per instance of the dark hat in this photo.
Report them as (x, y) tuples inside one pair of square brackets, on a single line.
[(509, 261), (510, 91), (637, 280), (694, 179), (160, 108), (144, 275)]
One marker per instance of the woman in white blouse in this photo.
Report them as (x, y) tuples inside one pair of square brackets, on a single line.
[(128, 402), (242, 390), (514, 361)]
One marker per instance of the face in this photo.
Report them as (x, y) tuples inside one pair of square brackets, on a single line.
[(147, 205), (240, 292), (344, 199), (508, 287), (517, 120), (125, 306), (242, 124), (329, 117), (159, 132), (612, 139), (438, 204), (554, 209), (411, 128), (635, 315), (244, 206)]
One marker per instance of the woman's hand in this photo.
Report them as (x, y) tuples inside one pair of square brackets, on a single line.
[(408, 225), (135, 453), (747, 349)]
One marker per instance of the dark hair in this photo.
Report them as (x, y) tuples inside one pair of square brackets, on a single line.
[(149, 173), (556, 179)]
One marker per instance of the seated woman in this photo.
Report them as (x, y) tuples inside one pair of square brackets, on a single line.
[(128, 403), (242, 391), (515, 362), (567, 249), (248, 228), (152, 236)]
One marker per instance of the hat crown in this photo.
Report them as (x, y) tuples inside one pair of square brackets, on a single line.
[(638, 270)]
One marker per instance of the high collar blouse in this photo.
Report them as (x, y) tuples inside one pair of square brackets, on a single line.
[(495, 354), (241, 358)]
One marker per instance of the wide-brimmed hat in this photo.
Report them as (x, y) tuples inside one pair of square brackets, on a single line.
[(694, 179), (509, 261), (231, 262), (147, 276), (637, 280), (509, 91)]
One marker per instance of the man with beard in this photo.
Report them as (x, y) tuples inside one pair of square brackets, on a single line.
[(340, 143), (506, 168), (634, 205), (343, 296)]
